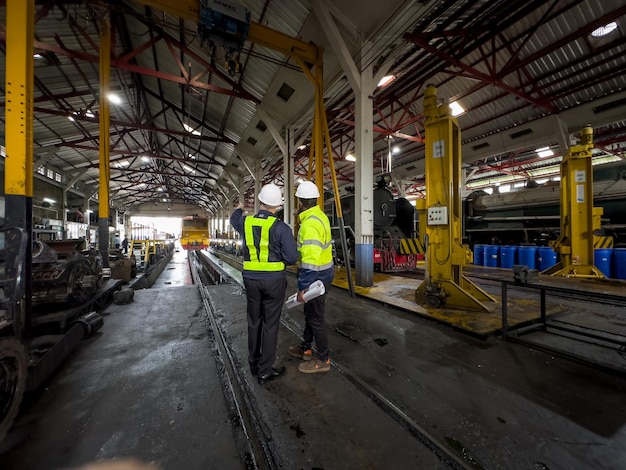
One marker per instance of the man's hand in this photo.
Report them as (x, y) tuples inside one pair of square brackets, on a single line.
[(239, 206), (301, 296)]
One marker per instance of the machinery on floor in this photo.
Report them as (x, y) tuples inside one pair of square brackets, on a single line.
[(65, 271), (33, 343), (444, 282)]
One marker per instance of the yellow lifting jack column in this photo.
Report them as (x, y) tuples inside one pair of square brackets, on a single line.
[(580, 221), (444, 282)]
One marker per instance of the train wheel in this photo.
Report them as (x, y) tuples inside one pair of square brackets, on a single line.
[(13, 373)]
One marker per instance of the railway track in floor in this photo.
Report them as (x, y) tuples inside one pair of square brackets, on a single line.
[(258, 446)]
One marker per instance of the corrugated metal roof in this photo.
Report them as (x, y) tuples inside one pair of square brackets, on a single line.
[(562, 72)]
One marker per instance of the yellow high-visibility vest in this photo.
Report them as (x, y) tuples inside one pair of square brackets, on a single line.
[(259, 259)]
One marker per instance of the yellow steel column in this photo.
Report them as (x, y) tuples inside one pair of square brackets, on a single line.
[(320, 135), (104, 165), (579, 219), (18, 169), (444, 282)]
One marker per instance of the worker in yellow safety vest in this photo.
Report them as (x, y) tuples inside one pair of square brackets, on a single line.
[(316, 263), (268, 246)]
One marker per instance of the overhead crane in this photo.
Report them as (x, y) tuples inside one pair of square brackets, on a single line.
[(310, 58)]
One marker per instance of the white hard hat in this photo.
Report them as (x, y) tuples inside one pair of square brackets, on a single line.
[(307, 190), (271, 195)]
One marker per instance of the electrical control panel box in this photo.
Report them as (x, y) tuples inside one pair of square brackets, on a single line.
[(437, 215)]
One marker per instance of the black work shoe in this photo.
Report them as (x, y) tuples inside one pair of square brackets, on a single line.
[(271, 375)]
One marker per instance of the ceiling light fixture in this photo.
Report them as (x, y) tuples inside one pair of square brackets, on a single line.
[(456, 109), (113, 98), (37, 56), (544, 152), (190, 129), (386, 80), (350, 158), (604, 30)]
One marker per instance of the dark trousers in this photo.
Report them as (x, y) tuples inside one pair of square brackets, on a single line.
[(315, 326), (264, 304)]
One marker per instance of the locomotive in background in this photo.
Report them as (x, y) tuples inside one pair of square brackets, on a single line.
[(396, 242), (531, 215), (195, 233)]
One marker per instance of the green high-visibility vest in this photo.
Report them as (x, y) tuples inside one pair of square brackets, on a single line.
[(259, 259)]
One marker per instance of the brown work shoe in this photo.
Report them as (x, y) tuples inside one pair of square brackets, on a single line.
[(297, 351), (315, 366)]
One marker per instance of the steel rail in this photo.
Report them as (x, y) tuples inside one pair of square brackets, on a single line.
[(394, 411), (259, 455), (391, 409)]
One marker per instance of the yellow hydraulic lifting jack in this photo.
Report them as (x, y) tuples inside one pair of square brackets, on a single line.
[(444, 282), (580, 221)]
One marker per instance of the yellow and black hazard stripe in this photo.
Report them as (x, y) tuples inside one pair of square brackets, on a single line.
[(411, 246), (602, 242)]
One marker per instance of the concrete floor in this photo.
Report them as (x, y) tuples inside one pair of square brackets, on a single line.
[(147, 386)]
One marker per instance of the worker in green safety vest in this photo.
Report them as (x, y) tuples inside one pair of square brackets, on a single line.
[(316, 264)]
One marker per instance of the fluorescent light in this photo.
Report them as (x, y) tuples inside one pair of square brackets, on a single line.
[(189, 169), (544, 152), (190, 129), (37, 56), (456, 108), (89, 114), (302, 147), (541, 181), (504, 188), (71, 118), (386, 80), (350, 158), (47, 199), (604, 30), (113, 98)]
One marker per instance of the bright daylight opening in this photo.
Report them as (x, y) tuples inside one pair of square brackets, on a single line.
[(161, 225)]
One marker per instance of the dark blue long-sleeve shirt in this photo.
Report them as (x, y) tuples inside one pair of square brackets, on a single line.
[(282, 242)]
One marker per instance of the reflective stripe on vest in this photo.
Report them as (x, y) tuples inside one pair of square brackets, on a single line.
[(259, 259)]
